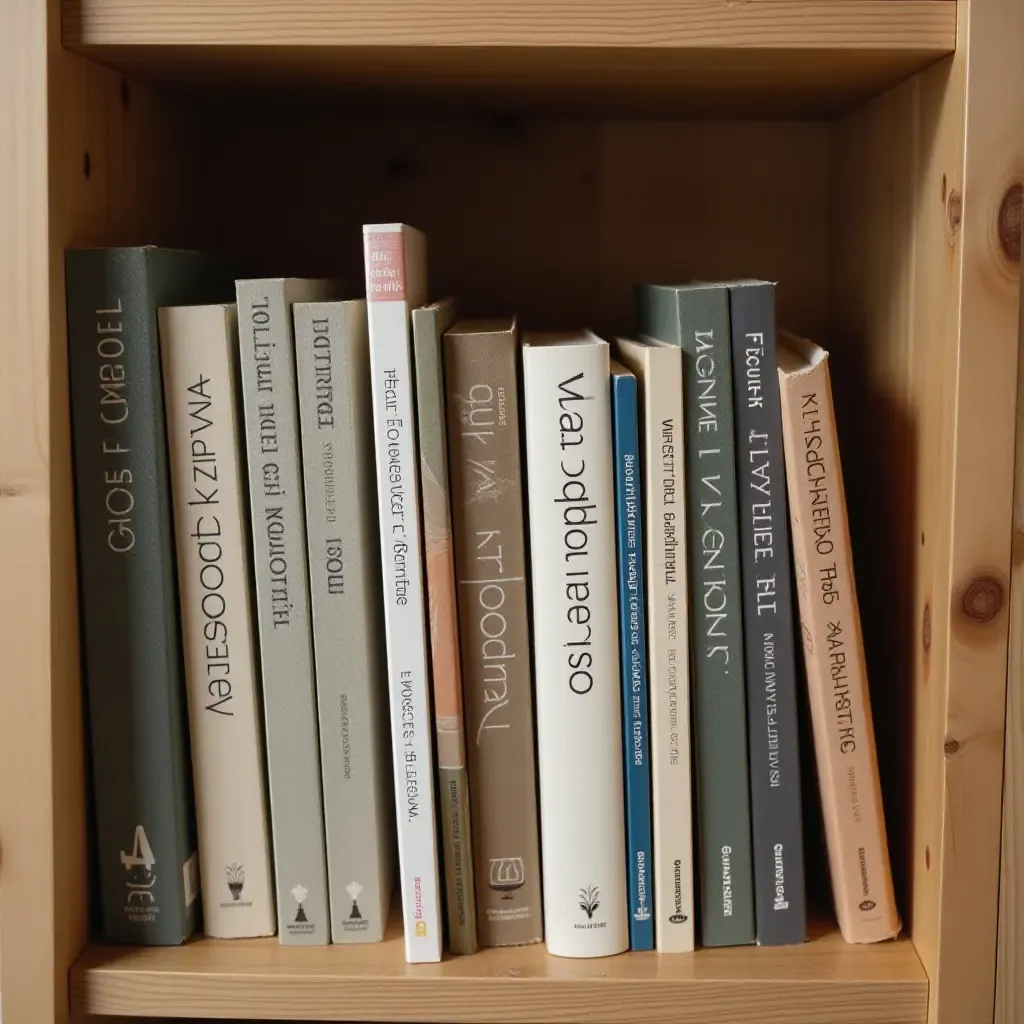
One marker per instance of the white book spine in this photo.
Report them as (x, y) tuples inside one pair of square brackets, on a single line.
[(396, 283), (660, 376), (576, 651), (199, 354)]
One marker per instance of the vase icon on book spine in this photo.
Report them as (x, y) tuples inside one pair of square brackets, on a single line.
[(354, 889), (236, 879), (506, 875), (299, 893)]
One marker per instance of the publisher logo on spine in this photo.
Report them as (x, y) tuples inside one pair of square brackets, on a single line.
[(355, 922), (506, 874), (302, 924), (590, 903), (678, 917), (234, 875), (140, 867)]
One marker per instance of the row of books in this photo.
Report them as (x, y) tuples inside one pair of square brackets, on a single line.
[(550, 576)]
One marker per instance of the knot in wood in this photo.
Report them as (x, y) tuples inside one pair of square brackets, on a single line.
[(982, 600), (954, 211), (951, 747), (926, 628), (1011, 221)]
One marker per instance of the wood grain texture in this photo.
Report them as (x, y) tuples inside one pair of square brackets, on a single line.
[(926, 25), (777, 57), (1010, 952), (825, 981), (929, 297)]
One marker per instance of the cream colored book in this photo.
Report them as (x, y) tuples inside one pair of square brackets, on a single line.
[(837, 684), (396, 283), (199, 352), (658, 367)]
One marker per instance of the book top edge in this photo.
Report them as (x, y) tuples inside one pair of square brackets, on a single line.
[(548, 339), (799, 355), (495, 325)]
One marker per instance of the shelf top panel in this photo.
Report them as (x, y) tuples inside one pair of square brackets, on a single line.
[(785, 55), (824, 981)]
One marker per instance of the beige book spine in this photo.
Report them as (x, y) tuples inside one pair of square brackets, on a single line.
[(837, 682)]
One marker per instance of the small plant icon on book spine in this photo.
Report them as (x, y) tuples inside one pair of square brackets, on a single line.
[(590, 900), (299, 893), (236, 879)]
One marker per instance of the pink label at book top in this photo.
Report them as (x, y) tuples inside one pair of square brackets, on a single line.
[(385, 267)]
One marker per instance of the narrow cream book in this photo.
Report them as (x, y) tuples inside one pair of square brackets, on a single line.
[(658, 367), (396, 283), (837, 684), (199, 353)]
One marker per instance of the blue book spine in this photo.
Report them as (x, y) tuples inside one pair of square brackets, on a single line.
[(633, 640)]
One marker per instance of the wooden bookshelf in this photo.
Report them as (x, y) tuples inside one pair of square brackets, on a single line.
[(824, 981), (792, 55), (867, 154)]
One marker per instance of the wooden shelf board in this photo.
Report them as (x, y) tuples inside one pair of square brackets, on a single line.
[(643, 55), (824, 981)]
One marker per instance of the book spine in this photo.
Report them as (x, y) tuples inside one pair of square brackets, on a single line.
[(776, 815), (633, 645), (723, 782), (669, 656), (405, 612), (199, 355), (576, 655), (332, 365), (453, 778), (490, 560), (282, 603), (145, 843), (834, 658)]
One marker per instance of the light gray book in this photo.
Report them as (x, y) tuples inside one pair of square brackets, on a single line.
[(332, 356), (282, 601)]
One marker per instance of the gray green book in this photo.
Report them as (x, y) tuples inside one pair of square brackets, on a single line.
[(145, 839), (696, 317), (332, 354), (267, 349)]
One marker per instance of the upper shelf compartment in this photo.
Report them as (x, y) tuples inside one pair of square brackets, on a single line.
[(749, 56)]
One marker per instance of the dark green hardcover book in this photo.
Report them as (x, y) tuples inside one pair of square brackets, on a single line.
[(131, 642), (696, 317)]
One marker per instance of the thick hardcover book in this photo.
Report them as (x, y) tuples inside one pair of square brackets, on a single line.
[(659, 371), (332, 357), (396, 283), (199, 349), (267, 348), (775, 800), (147, 864), (696, 317), (481, 370), (575, 640), (429, 323), (629, 525), (844, 739)]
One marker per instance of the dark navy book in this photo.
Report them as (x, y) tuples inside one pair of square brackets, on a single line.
[(633, 641)]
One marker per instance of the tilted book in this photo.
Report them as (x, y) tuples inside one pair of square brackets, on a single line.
[(396, 283), (199, 349), (429, 323), (267, 348), (482, 379), (332, 357), (775, 800), (696, 317), (147, 864), (659, 371), (567, 398), (629, 525), (837, 685)]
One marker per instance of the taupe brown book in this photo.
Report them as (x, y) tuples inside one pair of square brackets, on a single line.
[(481, 374), (428, 324), (837, 685)]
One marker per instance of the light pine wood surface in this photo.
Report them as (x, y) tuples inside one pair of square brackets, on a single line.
[(758, 56), (824, 981), (666, 24)]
